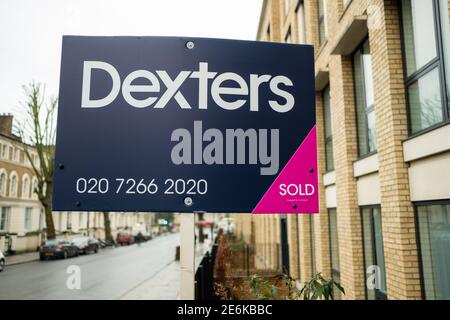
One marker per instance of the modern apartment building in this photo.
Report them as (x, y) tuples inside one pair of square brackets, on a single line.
[(22, 220), (383, 118)]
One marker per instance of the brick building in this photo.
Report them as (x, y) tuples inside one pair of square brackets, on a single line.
[(21, 214), (382, 100)]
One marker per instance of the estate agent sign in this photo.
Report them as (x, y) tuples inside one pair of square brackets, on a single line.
[(185, 124)]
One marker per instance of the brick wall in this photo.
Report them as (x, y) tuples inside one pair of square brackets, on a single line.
[(399, 229), (399, 237)]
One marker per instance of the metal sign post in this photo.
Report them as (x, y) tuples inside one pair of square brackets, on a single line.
[(187, 256)]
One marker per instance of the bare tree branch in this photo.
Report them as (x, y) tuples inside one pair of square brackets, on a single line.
[(38, 130)]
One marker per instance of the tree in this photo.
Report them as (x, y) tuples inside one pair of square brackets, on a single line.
[(201, 235), (38, 130), (107, 223)]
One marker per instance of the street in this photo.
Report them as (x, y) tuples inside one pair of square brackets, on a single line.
[(110, 274)]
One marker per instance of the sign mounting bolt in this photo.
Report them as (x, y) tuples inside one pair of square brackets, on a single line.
[(61, 166), (188, 201), (190, 45)]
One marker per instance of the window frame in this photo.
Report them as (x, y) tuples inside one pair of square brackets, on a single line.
[(312, 229), (330, 138), (417, 204), (13, 191), (322, 19), (6, 217), (333, 271), (379, 295), (298, 249), (25, 190), (335, 274), (367, 109), (4, 190), (437, 63), (28, 214), (16, 154), (4, 151), (300, 25)]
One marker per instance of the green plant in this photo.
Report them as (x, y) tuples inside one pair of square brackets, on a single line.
[(291, 286), (262, 289), (319, 288)]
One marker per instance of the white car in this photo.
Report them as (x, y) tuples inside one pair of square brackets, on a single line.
[(2, 261)]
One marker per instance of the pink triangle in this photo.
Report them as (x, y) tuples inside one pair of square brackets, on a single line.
[(295, 190)]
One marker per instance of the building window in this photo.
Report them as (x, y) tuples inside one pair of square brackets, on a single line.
[(35, 159), (26, 188), (365, 102), (426, 46), (328, 129), (373, 253), (313, 247), (323, 28), (4, 218), (300, 14), (4, 151), (26, 159), (334, 249), (16, 154), (434, 239), (13, 186), (3, 181), (28, 218), (34, 187)]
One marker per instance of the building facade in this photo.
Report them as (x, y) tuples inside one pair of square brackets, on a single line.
[(383, 122), (22, 220)]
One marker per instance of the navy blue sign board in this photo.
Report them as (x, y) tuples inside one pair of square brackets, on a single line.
[(185, 124)]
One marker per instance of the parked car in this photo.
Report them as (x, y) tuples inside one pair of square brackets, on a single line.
[(124, 238), (107, 243), (86, 244), (142, 237), (58, 249), (2, 261)]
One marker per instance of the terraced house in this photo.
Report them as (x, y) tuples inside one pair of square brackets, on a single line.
[(382, 100), (22, 220)]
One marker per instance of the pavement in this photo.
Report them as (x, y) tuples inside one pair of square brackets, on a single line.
[(145, 271), (21, 258), (159, 287)]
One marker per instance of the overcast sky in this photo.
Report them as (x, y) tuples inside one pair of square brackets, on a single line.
[(31, 31)]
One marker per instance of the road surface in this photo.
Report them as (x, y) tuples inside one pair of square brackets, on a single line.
[(110, 274)]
